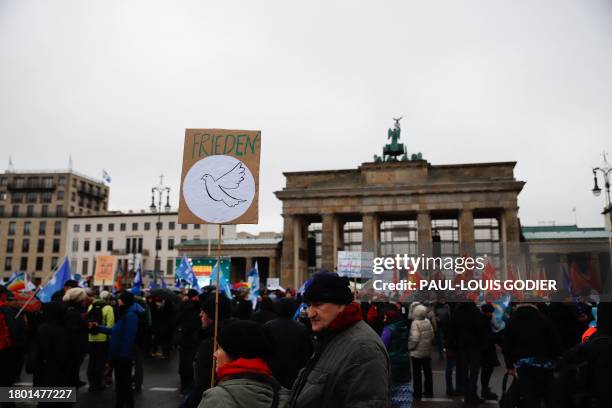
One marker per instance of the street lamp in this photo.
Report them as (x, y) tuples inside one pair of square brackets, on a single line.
[(604, 171), (159, 190)]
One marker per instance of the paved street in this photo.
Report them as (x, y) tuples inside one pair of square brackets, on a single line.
[(161, 383)]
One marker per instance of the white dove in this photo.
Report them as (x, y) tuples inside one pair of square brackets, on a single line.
[(216, 187)]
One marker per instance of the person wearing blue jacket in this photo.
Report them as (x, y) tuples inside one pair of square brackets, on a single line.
[(121, 348)]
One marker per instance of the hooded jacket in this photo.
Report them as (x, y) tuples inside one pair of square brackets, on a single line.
[(421, 334)]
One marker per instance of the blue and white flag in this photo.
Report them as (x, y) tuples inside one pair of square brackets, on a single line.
[(300, 292), (224, 284), (61, 275), (152, 284), (253, 280), (106, 177), (137, 288), (185, 272)]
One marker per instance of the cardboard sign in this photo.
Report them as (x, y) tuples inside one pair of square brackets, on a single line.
[(355, 264), (273, 284), (220, 177), (104, 274)]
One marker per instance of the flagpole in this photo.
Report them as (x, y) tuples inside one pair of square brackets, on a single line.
[(216, 321), (27, 303)]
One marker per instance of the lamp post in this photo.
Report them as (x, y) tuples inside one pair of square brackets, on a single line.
[(159, 190), (605, 171)]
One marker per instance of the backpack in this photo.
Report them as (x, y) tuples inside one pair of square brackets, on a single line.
[(95, 314)]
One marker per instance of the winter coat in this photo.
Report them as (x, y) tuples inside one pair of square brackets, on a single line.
[(292, 349), (421, 334), (529, 334), (241, 393), (123, 333), (108, 320), (189, 324), (349, 368), (467, 330), (397, 333)]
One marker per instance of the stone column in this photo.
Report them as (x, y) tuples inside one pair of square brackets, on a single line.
[(510, 216), (288, 258), (370, 232), (466, 231), (338, 238), (328, 247), (248, 264), (510, 236), (424, 232), (272, 273)]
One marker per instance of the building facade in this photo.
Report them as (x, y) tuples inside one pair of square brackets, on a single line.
[(132, 237), (394, 206), (34, 211)]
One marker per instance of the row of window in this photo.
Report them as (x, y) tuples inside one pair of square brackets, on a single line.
[(132, 245), (16, 211), (27, 228), (170, 263), (23, 263), (34, 182), (25, 245), (134, 226), (32, 197)]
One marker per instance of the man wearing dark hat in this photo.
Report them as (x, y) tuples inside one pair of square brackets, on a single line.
[(350, 365)]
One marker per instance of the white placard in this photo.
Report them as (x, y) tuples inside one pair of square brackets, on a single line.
[(273, 284), (355, 264)]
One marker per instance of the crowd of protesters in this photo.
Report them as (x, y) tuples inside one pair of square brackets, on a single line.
[(335, 352)]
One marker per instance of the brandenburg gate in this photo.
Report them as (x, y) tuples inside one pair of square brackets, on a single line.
[(394, 187)]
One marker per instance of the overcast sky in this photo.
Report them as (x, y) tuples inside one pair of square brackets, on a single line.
[(115, 84)]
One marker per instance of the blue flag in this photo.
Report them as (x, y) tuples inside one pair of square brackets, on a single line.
[(163, 283), (61, 275), (137, 288), (300, 292), (152, 284), (224, 285), (253, 280), (185, 272)]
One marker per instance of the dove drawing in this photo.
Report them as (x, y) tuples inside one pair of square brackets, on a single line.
[(224, 187)]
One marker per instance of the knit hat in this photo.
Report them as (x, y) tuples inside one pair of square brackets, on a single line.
[(105, 295), (207, 304), (328, 287), (245, 339), (75, 295), (127, 298)]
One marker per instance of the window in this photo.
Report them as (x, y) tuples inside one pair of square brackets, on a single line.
[(3, 181), (15, 212), (147, 226), (170, 266), (85, 270), (47, 182), (73, 196), (57, 228), (111, 227), (98, 245), (99, 227), (196, 226), (122, 226), (54, 263), (16, 197), (75, 245), (170, 244), (134, 226), (140, 245), (184, 226), (60, 195), (11, 228), (1, 211), (87, 227), (19, 182), (86, 245), (171, 225), (59, 211), (76, 228), (30, 211), (159, 226), (45, 211), (39, 263), (61, 180), (109, 245), (40, 245), (10, 245), (23, 264), (25, 245), (42, 228), (2, 195), (56, 245), (46, 197), (128, 245), (26, 227), (32, 198), (158, 245), (72, 209), (183, 239), (8, 263)]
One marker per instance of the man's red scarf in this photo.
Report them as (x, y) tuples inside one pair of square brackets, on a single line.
[(348, 317), (243, 366)]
